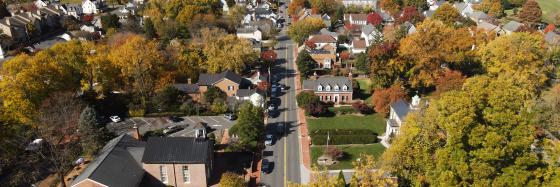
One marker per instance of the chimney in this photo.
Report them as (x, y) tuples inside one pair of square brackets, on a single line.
[(136, 133), (350, 76), (189, 81)]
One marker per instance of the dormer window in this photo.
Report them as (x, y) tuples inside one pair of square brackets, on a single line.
[(328, 88), (319, 88), (336, 88), (345, 88)]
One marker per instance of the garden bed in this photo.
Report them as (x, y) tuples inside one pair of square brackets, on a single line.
[(351, 153)]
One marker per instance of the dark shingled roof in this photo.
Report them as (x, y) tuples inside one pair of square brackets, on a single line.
[(245, 92), (332, 81), (183, 150), (207, 79), (117, 164), (401, 107), (187, 88)]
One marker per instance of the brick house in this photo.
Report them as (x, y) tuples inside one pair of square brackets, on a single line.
[(227, 81), (179, 161), (335, 89)]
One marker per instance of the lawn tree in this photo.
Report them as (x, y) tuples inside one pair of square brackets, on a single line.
[(295, 6), (110, 21), (305, 98), (249, 128), (300, 30), (324, 6), (480, 135), (305, 63), (447, 14), (337, 18), (167, 98), (213, 93), (382, 63), (362, 63), (219, 106), (530, 13), (149, 29), (367, 174), (492, 7), (391, 6), (383, 98), (89, 132), (416, 4), (517, 3), (374, 19), (228, 53), (56, 123), (410, 14), (319, 177), (230, 179), (269, 56)]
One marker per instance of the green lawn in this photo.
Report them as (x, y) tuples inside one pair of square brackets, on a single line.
[(550, 8), (351, 153), (365, 90), (71, 1), (374, 122)]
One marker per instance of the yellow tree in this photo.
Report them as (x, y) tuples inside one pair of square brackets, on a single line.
[(230, 179), (319, 178), (431, 47), (300, 30), (447, 14), (366, 174), (228, 53), (139, 61)]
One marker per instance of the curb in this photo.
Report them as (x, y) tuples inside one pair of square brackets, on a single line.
[(305, 140)]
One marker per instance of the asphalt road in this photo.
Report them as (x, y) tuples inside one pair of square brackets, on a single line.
[(284, 154)]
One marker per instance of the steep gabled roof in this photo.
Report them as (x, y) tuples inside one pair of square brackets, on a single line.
[(512, 26), (401, 108), (183, 150), (322, 38), (207, 79)]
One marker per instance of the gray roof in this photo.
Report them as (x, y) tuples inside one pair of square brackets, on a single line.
[(552, 38), (187, 88), (327, 32), (246, 30), (486, 26), (512, 26), (478, 15), (260, 11), (117, 164), (401, 107), (208, 79), (411, 29), (331, 81), (460, 6), (245, 92), (367, 29), (184, 150)]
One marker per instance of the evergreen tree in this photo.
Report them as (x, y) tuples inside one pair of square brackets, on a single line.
[(149, 29), (3, 10), (90, 137), (305, 63), (341, 181)]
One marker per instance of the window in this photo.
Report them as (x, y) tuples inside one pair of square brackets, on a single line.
[(163, 173), (319, 88), (186, 174), (345, 88), (328, 88), (229, 88), (336, 88)]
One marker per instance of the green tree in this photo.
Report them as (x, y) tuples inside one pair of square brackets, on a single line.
[(230, 179), (447, 14), (305, 98), (213, 93), (530, 13), (547, 110), (249, 127), (418, 4), (219, 106), (167, 98), (341, 182), (362, 63), (300, 30), (305, 63), (110, 21), (90, 134), (149, 29)]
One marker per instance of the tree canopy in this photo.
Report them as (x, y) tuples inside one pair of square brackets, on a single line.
[(249, 127), (300, 30)]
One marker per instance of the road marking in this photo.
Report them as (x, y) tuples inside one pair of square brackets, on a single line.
[(202, 119), (190, 119), (142, 119), (212, 118), (217, 125)]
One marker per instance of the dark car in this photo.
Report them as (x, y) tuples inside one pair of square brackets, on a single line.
[(273, 113), (174, 118), (172, 129), (280, 129), (265, 166), (230, 116)]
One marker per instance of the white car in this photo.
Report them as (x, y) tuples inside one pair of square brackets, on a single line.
[(115, 119), (268, 140)]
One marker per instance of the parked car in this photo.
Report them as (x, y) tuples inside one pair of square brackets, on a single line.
[(171, 129), (265, 166), (230, 116), (268, 140), (280, 129), (115, 119), (174, 118), (271, 106), (284, 87)]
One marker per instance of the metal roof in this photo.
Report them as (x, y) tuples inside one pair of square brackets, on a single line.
[(185, 150), (401, 108)]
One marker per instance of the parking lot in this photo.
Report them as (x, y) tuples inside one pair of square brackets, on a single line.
[(145, 124)]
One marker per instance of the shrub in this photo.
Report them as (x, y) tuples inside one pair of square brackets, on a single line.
[(362, 108), (305, 98), (136, 112), (316, 109), (334, 152)]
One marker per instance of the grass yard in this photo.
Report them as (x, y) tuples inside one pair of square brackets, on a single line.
[(550, 9), (351, 153), (71, 1), (365, 90), (374, 122)]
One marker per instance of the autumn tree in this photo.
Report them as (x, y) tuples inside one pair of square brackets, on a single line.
[(230, 179), (530, 13), (319, 177), (295, 6), (324, 6), (520, 55), (374, 18), (447, 14), (416, 4), (269, 56), (188, 60), (449, 80), (391, 6), (56, 123), (300, 30), (305, 63), (480, 135), (383, 98), (382, 64), (492, 7), (228, 53), (410, 14), (367, 174), (434, 44), (547, 110), (138, 59)]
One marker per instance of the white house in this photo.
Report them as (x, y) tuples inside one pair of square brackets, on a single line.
[(74, 10), (434, 4), (466, 9), (91, 6), (371, 3), (370, 34), (356, 19), (249, 32), (40, 3), (359, 46), (397, 115), (250, 95), (88, 28), (322, 40)]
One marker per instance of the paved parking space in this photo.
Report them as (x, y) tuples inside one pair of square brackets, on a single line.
[(145, 124)]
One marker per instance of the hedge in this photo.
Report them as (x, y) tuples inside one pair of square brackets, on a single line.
[(343, 136)]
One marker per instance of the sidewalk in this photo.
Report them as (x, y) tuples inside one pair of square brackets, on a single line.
[(305, 140)]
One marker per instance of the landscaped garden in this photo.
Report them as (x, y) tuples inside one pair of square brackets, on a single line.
[(373, 122), (351, 153), (365, 90)]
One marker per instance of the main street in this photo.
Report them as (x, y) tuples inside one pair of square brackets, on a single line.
[(285, 151)]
